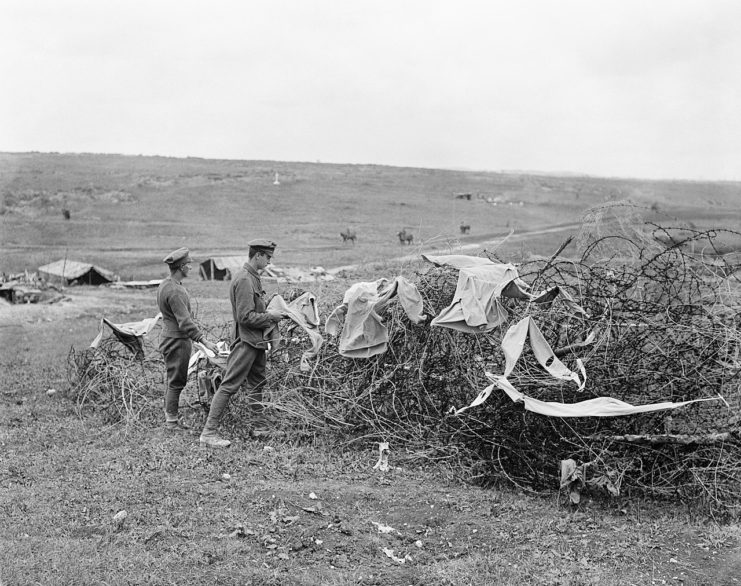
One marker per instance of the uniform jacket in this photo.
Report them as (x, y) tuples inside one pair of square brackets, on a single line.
[(174, 304), (249, 308)]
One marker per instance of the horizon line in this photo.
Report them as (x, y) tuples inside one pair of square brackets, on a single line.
[(543, 173)]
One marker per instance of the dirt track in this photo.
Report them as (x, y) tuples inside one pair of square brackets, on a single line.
[(77, 302), (467, 244)]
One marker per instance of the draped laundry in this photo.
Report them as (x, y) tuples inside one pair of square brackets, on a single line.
[(513, 344), (304, 313), (597, 407), (363, 333), (130, 334), (476, 305)]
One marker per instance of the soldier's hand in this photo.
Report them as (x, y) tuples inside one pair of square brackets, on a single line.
[(276, 315), (210, 345)]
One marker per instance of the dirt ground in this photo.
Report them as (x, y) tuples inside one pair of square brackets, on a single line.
[(284, 513), (80, 303)]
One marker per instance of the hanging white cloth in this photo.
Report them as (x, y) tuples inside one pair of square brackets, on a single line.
[(363, 333), (130, 334), (476, 305), (304, 313), (513, 344)]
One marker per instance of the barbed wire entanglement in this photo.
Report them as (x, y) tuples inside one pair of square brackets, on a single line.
[(116, 382), (127, 384), (660, 324), (665, 323)]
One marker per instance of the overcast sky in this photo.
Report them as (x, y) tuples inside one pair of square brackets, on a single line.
[(639, 88)]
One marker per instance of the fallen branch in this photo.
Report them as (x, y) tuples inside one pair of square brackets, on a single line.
[(681, 439)]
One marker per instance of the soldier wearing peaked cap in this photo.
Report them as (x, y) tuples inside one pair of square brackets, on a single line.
[(178, 332), (247, 360), (262, 245), (178, 257)]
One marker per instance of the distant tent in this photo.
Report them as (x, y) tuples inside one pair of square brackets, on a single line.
[(71, 272), (221, 268), (7, 290)]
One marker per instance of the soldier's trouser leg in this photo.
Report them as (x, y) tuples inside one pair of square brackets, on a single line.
[(256, 383), (176, 352), (238, 367)]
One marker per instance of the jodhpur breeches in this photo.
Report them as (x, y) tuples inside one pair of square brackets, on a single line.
[(245, 363), (176, 352)]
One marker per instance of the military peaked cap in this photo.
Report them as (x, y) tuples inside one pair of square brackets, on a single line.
[(177, 257), (262, 245)]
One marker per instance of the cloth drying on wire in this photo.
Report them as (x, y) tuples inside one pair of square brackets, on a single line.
[(513, 344), (129, 334), (304, 313), (476, 305), (363, 333), (597, 407)]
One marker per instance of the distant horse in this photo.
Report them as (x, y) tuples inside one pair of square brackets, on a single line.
[(405, 237), (348, 235), (465, 228)]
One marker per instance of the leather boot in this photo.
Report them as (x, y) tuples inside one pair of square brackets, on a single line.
[(176, 426), (173, 423), (210, 433)]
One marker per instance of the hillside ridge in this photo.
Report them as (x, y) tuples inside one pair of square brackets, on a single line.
[(127, 212)]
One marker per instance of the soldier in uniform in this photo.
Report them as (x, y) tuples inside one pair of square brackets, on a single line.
[(178, 332), (247, 359)]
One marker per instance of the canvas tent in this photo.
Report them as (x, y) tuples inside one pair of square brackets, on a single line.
[(72, 272), (7, 291), (221, 268)]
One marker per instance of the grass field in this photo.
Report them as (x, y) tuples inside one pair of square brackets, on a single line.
[(292, 511), (126, 213)]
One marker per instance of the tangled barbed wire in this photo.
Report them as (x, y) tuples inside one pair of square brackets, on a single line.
[(660, 324), (665, 326), (112, 379)]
